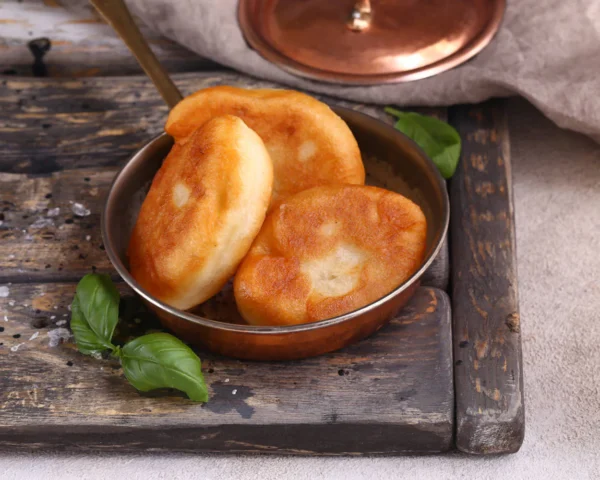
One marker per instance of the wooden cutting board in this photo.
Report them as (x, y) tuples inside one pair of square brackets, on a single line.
[(393, 393)]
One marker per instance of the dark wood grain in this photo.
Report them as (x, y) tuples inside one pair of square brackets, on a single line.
[(389, 394), (82, 44), (487, 337), (95, 122)]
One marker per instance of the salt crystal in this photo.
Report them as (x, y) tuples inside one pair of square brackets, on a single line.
[(79, 210), (234, 391), (69, 308), (64, 314), (54, 212), (28, 237), (88, 237), (52, 317), (42, 294), (57, 336), (24, 231), (1, 222), (11, 255), (4, 291), (15, 347), (5, 318), (42, 223), (55, 307), (226, 380), (34, 336), (12, 303), (61, 322)]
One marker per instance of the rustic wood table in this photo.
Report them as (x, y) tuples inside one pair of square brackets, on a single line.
[(65, 138)]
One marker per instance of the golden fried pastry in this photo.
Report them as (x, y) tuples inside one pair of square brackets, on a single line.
[(328, 251), (308, 143), (205, 206)]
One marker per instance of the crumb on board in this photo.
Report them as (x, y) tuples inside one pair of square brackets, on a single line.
[(57, 336), (4, 291), (79, 210), (14, 348)]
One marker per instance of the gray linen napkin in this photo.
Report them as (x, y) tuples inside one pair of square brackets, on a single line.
[(548, 52)]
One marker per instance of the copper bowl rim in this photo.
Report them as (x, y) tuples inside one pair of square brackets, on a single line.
[(271, 54), (273, 330)]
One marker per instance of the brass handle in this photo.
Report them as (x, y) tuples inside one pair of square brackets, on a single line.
[(116, 13)]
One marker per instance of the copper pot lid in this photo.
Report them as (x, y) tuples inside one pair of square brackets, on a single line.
[(367, 42)]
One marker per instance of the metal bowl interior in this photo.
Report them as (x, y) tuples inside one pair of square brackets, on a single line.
[(377, 140)]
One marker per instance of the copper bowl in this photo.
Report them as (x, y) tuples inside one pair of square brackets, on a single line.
[(376, 139)]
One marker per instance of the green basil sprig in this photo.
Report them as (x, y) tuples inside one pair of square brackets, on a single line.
[(156, 360), (440, 141)]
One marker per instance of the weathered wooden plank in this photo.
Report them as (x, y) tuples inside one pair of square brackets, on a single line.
[(45, 237), (82, 44), (98, 121), (389, 394), (487, 338), (42, 237)]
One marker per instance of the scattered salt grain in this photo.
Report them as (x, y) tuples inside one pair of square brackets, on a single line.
[(1, 222), (60, 323), (79, 210), (42, 294), (64, 314), (12, 303), (54, 212), (57, 336), (14, 348), (52, 317), (88, 237), (34, 336), (42, 223), (5, 318), (69, 308), (11, 256), (4, 291), (55, 307), (234, 391), (226, 380)]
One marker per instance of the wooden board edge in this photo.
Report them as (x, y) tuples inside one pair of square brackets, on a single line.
[(295, 439), (487, 339)]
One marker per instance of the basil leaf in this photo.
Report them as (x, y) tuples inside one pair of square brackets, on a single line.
[(439, 140), (159, 360), (94, 313)]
